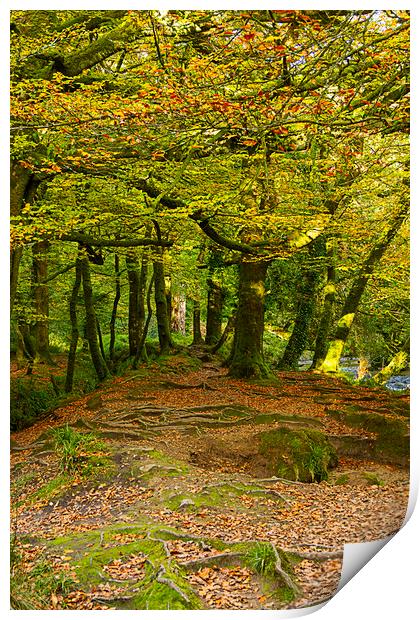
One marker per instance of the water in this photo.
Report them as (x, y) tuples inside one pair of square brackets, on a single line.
[(350, 365)]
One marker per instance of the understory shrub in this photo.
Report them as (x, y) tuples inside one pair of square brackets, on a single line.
[(28, 400)]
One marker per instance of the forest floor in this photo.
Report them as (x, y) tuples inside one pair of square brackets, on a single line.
[(182, 510)]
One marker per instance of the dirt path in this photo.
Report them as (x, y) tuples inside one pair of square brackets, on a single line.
[(187, 506)]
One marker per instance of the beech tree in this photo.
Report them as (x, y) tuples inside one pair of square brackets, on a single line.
[(168, 129)]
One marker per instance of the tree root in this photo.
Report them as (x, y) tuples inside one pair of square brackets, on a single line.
[(250, 491), (188, 386), (168, 582), (274, 479), (220, 559), (282, 573), (163, 542), (320, 556)]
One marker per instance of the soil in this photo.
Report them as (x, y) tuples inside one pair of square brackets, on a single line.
[(185, 466)]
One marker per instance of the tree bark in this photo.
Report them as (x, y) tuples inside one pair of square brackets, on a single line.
[(40, 297), (215, 299), (247, 359), (307, 293), (325, 321), (134, 327), (197, 336), (228, 329), (335, 348), (91, 322), (71, 359), (397, 363), (162, 317), (114, 307), (141, 352), (23, 186), (178, 313)]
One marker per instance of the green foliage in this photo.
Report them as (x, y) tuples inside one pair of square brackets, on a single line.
[(33, 589), (28, 400), (76, 450), (261, 558), (274, 346)]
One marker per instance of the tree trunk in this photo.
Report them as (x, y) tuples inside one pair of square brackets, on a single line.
[(327, 311), (215, 299), (134, 328), (178, 313), (142, 349), (197, 337), (397, 363), (40, 296), (136, 313), (91, 323), (162, 317), (307, 292), (71, 359), (114, 307), (247, 358), (226, 332), (345, 322), (23, 186)]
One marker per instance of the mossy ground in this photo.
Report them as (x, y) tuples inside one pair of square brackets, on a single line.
[(301, 455), (120, 505)]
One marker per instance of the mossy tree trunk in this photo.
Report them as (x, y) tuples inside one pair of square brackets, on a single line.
[(335, 348), (142, 353), (114, 307), (134, 327), (397, 363), (215, 299), (324, 326), (247, 358), (162, 316), (71, 359), (40, 299), (226, 333), (307, 293), (91, 322), (197, 336), (23, 186)]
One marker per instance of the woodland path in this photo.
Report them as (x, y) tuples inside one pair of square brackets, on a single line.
[(188, 493)]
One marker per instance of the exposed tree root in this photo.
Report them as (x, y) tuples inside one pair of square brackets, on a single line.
[(281, 572), (220, 559), (321, 555), (168, 582)]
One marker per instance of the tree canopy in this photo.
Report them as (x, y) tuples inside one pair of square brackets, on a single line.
[(206, 140)]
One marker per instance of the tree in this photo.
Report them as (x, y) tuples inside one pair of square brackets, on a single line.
[(239, 127)]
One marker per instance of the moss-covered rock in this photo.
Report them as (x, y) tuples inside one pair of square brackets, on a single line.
[(304, 455)]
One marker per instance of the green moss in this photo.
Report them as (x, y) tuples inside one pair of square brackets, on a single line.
[(210, 496), (392, 442), (304, 455), (373, 479), (155, 595), (56, 486), (342, 479)]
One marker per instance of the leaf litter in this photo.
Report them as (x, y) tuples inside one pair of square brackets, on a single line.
[(317, 519)]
